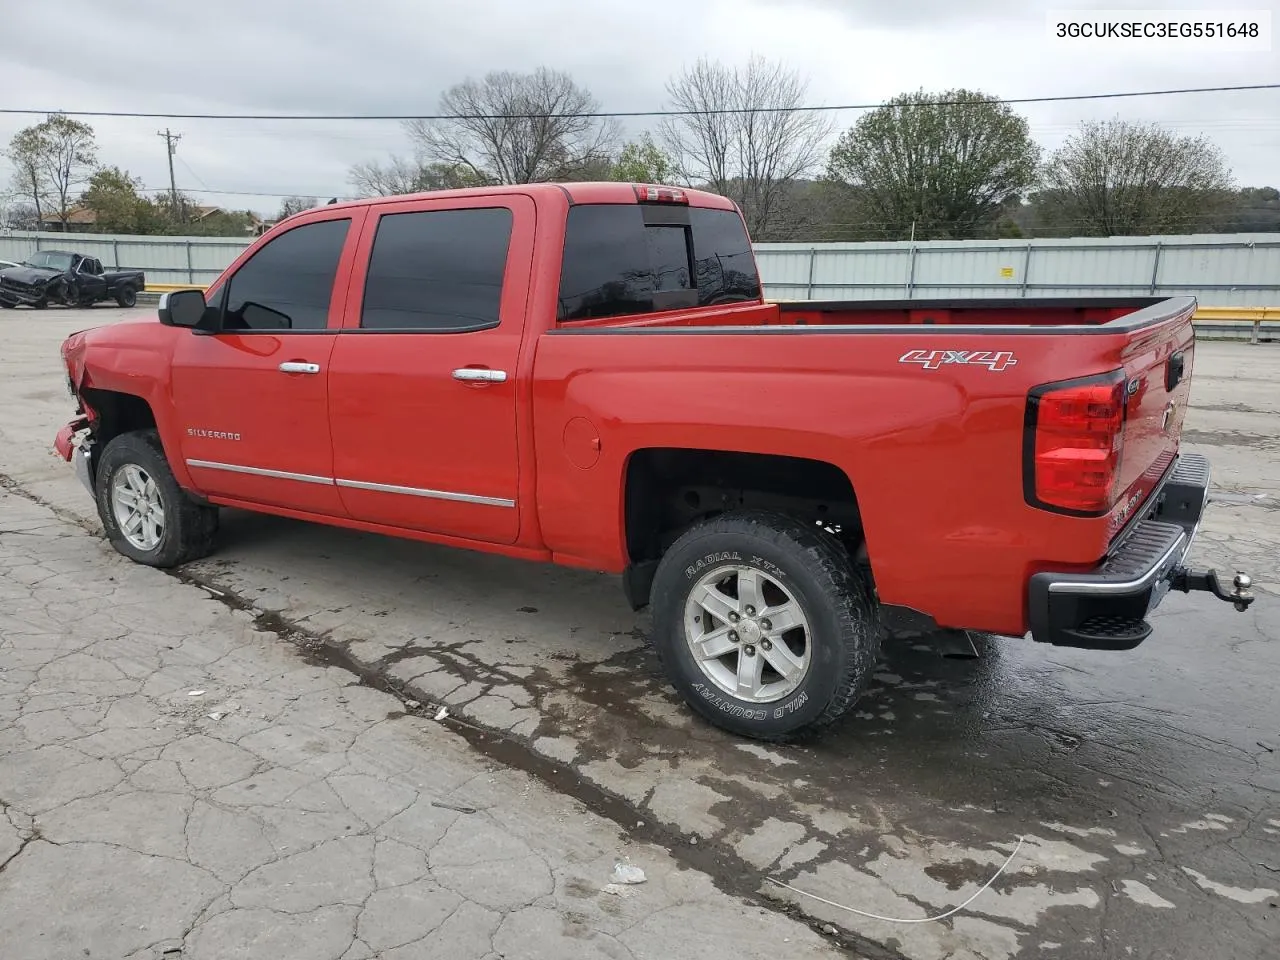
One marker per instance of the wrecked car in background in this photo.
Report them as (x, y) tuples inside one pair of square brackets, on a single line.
[(70, 279)]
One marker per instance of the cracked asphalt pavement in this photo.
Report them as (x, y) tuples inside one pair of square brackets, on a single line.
[(1145, 786)]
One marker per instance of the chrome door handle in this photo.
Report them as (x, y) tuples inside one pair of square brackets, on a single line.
[(485, 376), (291, 366)]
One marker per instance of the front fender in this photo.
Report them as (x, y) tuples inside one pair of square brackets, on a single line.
[(133, 359)]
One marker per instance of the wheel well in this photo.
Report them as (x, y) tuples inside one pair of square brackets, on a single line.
[(668, 490), (118, 413)]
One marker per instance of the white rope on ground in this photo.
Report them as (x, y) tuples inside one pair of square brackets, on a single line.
[(873, 916)]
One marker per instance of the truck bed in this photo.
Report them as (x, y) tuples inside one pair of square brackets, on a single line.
[(1115, 314), (922, 406), (996, 312)]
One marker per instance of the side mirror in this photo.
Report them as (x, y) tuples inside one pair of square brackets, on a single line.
[(182, 308)]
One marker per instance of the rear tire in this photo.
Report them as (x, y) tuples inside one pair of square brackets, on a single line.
[(797, 657), (127, 296), (145, 514)]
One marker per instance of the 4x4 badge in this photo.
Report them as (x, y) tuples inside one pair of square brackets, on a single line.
[(996, 360)]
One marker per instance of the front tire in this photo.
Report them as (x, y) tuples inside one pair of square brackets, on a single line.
[(764, 625), (145, 514)]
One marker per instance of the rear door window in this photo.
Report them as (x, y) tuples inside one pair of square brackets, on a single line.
[(628, 259), (438, 271)]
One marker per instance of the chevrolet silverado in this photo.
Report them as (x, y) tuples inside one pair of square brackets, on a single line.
[(589, 375)]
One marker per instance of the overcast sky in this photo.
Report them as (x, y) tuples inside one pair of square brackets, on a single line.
[(396, 56)]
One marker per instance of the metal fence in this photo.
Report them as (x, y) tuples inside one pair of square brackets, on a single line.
[(194, 260), (1235, 270)]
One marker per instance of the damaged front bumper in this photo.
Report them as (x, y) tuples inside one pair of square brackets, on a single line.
[(76, 447), (26, 297), (1107, 608)]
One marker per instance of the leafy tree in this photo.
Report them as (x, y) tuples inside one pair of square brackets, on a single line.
[(191, 219), (744, 135), (516, 128), (1119, 177), (643, 161), (822, 210), (592, 170), (1254, 210), (52, 159), (949, 163), (222, 223), (117, 206)]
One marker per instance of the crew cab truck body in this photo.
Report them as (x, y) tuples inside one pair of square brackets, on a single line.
[(588, 375), (72, 279)]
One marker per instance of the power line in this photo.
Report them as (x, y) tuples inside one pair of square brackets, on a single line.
[(633, 113), (243, 193), (195, 176)]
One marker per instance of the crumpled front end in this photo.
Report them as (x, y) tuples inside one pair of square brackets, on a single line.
[(74, 444), (74, 441), (16, 293)]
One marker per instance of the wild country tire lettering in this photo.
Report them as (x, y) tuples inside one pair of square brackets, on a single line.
[(747, 713)]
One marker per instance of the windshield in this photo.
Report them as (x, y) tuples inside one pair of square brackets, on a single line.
[(50, 260)]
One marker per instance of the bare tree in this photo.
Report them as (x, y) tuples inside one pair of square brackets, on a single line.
[(52, 160), (400, 175), (1118, 178), (29, 181), (397, 176), (292, 205), (19, 215), (516, 128), (743, 134)]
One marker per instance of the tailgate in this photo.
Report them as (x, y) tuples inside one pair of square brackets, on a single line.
[(1157, 365), (1098, 445)]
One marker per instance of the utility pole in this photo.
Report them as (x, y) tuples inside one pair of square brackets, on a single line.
[(170, 141)]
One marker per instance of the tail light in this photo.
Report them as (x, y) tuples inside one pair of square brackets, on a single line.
[(1074, 441)]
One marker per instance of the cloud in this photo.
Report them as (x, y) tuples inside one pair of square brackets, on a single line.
[(914, 14), (397, 56)]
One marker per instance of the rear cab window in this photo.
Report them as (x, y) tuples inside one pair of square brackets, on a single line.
[(635, 259)]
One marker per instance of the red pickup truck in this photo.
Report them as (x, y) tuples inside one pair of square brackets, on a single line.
[(588, 374)]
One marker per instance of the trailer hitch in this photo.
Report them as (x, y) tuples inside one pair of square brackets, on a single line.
[(1188, 580)]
